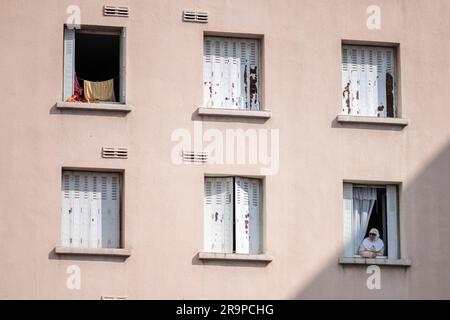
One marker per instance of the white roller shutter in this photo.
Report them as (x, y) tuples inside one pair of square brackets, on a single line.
[(123, 72), (75, 213), (110, 211), (84, 210), (242, 216), (67, 186), (255, 206), (69, 62), (218, 210), (207, 74), (349, 249), (228, 215), (95, 231), (248, 215), (368, 81), (231, 73), (90, 210), (392, 222)]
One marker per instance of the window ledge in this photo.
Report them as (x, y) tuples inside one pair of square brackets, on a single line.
[(94, 106), (372, 120), (262, 114), (94, 252), (235, 257), (375, 261)]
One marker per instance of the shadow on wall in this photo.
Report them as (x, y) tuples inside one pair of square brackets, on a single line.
[(425, 220)]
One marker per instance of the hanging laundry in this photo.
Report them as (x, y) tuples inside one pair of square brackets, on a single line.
[(77, 95), (77, 89), (99, 91)]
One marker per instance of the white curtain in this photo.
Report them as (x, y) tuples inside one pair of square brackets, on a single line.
[(363, 201)]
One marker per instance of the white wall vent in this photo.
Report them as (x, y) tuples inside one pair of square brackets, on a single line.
[(195, 16), (116, 11), (114, 153), (195, 156)]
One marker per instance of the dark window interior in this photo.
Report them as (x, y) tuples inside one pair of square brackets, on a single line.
[(378, 217), (97, 58)]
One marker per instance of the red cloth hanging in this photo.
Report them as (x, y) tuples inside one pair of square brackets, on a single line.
[(77, 95)]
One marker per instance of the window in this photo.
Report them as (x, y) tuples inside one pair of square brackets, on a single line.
[(369, 81), (233, 217), (90, 209), (367, 207), (231, 73), (94, 65)]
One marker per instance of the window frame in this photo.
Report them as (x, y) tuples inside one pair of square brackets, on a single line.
[(262, 220), (397, 105), (69, 66), (263, 112), (120, 250), (393, 223)]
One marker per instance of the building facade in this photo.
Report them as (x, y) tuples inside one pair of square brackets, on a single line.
[(224, 149)]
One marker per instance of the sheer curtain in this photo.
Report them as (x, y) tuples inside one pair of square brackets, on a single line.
[(363, 201)]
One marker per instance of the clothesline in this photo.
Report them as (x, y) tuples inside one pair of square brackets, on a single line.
[(97, 80)]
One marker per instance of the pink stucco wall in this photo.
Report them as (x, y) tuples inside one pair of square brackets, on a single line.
[(163, 206)]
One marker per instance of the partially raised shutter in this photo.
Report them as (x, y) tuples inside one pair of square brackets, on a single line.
[(368, 81), (248, 215), (218, 210), (69, 62), (392, 222), (231, 73), (349, 249)]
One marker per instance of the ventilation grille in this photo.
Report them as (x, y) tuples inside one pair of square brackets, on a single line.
[(195, 156), (116, 11), (114, 153), (195, 16)]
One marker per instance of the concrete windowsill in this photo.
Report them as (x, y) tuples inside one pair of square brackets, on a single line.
[(235, 257), (372, 120), (214, 112), (94, 252), (118, 107), (375, 261)]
